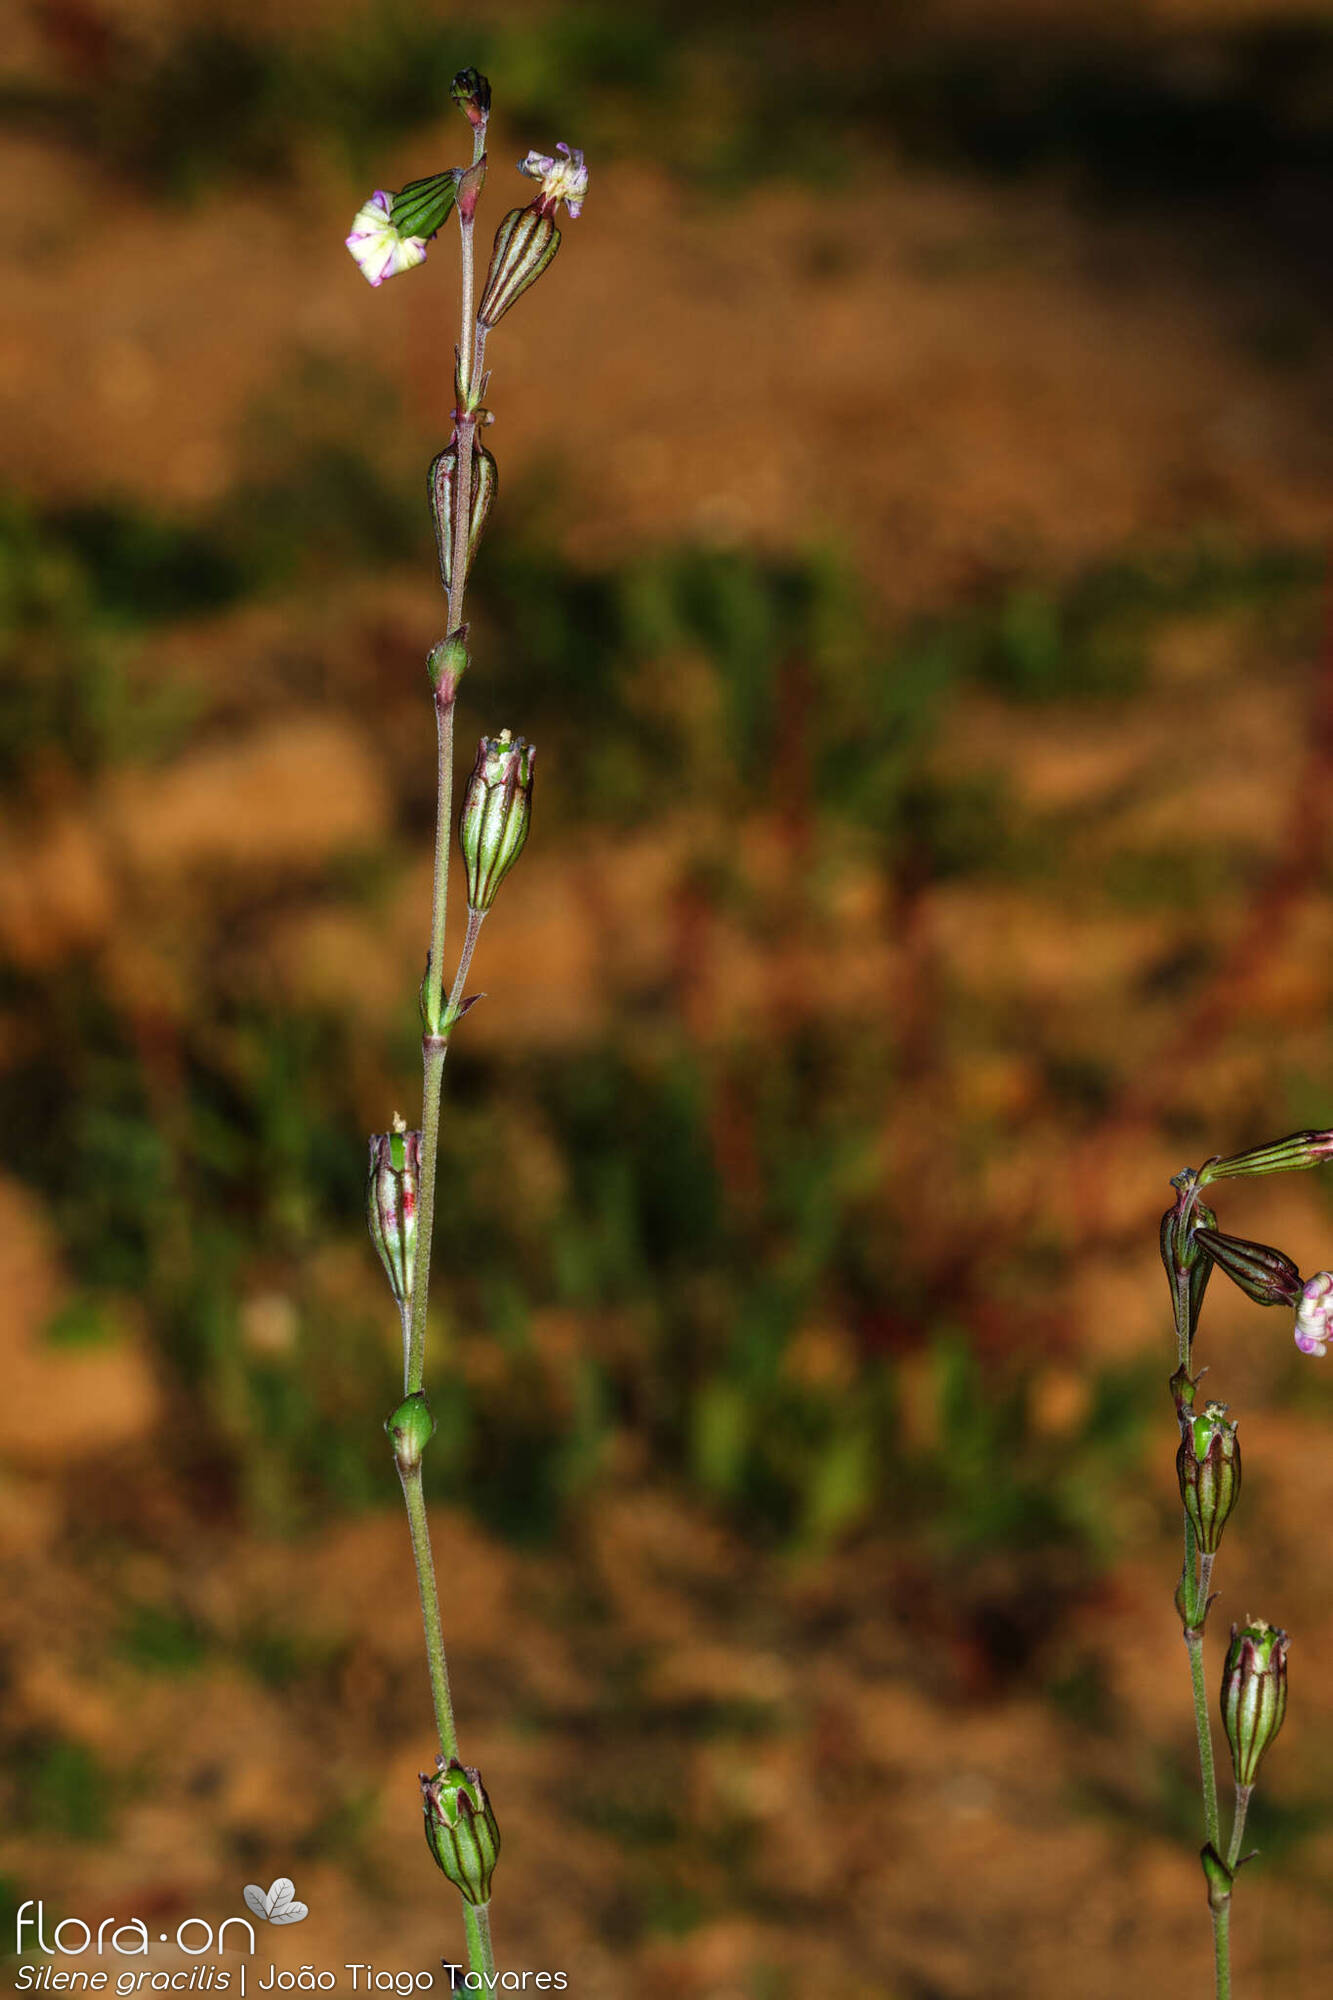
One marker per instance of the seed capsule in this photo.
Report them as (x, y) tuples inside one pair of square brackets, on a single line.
[(1208, 1468), (1263, 1274), (497, 807), (444, 486), (460, 1828), (391, 1205), (1297, 1150), (1254, 1694), (525, 243)]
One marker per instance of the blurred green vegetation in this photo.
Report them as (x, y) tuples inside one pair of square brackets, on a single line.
[(665, 683)]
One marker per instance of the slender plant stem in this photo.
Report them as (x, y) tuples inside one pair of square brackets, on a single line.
[(434, 1048), (1243, 1794), (475, 920), (1203, 1728), (477, 1928), (1222, 1950), (419, 1529)]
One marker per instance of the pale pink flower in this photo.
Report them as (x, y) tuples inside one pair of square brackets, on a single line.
[(377, 246), (1314, 1314)]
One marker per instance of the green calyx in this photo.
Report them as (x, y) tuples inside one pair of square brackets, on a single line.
[(1254, 1694), (422, 207), (1290, 1155), (443, 481), (1209, 1471), (525, 243), (1264, 1274), (461, 1829), (391, 1205), (1188, 1266), (497, 809)]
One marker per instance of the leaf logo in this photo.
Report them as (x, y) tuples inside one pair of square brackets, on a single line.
[(279, 1906)]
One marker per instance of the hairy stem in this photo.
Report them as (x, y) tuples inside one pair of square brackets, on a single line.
[(477, 1928), (434, 1048), (1222, 1950), (1203, 1729), (1243, 1796), (475, 920), (419, 1529)]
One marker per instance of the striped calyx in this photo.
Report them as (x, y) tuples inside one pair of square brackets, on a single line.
[(460, 1828), (1263, 1274), (1254, 1694), (497, 807), (1298, 1150), (423, 206), (443, 488), (525, 243), (1208, 1468), (391, 1204)]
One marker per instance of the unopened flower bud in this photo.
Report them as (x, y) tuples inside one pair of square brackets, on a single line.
[(1254, 1694), (471, 181), (391, 1204), (1262, 1273), (1208, 1467), (460, 1828), (497, 807), (471, 92), (1314, 1314), (411, 1428), (447, 662), (1297, 1150), (525, 243), (444, 486)]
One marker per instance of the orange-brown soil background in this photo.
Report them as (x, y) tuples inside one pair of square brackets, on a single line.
[(910, 560)]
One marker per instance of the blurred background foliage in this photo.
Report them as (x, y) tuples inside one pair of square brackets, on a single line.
[(886, 947)]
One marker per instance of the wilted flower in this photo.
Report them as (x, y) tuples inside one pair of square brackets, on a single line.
[(562, 179), (1314, 1314), (378, 247)]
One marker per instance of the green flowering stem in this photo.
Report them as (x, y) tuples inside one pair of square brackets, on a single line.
[(438, 1666), (1222, 1950), (477, 1930), (1244, 1793), (1207, 1768), (434, 1048), (1195, 1594), (454, 1008)]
